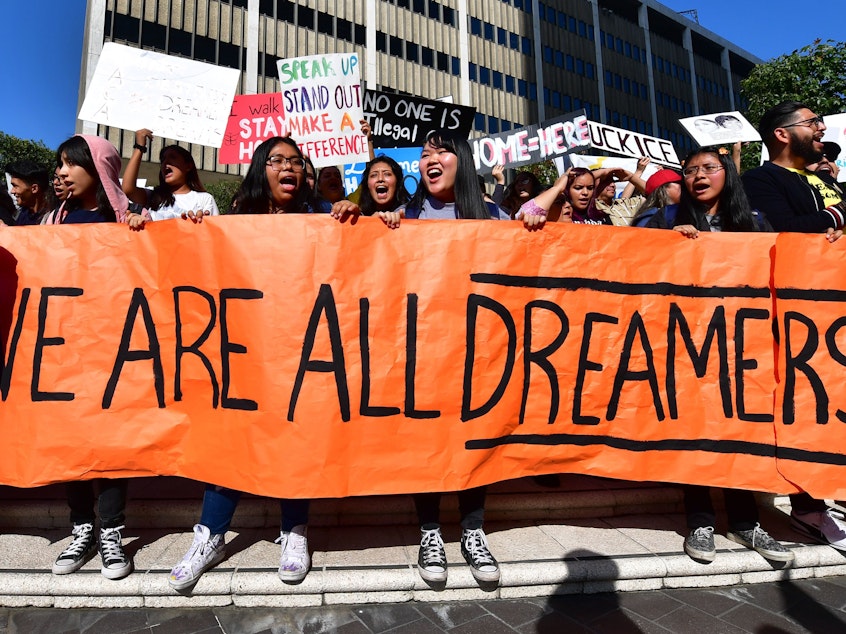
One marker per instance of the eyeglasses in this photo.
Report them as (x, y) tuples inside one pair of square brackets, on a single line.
[(813, 122), (706, 169), (277, 162)]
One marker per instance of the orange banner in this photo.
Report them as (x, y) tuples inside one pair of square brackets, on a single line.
[(295, 356)]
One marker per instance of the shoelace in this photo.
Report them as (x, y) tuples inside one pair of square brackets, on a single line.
[(110, 543), (704, 532), (294, 543), (433, 548), (81, 536), (477, 545)]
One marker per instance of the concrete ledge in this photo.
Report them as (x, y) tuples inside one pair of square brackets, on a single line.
[(378, 564)]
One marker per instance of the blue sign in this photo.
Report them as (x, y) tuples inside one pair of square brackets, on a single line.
[(407, 157)]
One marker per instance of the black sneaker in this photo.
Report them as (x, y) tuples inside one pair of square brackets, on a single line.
[(700, 544), (759, 540), (115, 563), (474, 547), (431, 560), (80, 550)]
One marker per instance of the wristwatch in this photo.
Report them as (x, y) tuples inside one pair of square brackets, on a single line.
[(138, 146)]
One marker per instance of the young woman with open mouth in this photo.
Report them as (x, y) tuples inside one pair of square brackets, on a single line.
[(179, 192)]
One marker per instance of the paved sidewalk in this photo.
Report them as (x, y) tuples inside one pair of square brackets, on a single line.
[(817, 606)]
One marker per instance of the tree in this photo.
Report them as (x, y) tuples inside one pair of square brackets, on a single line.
[(814, 75), (545, 171), (223, 191), (13, 149)]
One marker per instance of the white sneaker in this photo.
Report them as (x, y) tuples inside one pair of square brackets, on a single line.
[(116, 565), (826, 527), (295, 561), (206, 550)]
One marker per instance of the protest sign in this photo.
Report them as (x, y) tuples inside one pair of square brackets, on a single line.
[(174, 97), (408, 159), (334, 367), (836, 133), (610, 139), (321, 95), (722, 127), (405, 121), (532, 144), (253, 119)]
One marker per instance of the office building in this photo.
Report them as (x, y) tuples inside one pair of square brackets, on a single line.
[(633, 64)]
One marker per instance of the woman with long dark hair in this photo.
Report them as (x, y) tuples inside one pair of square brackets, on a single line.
[(382, 189), (274, 184), (179, 191)]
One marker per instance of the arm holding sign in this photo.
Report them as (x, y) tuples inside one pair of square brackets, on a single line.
[(636, 179), (129, 183)]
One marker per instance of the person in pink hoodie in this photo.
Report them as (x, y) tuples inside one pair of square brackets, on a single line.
[(88, 167)]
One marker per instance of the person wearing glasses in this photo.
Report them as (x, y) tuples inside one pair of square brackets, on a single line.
[(793, 198), (275, 184), (712, 199), (796, 199)]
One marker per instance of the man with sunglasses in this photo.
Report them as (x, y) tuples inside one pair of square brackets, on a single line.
[(795, 199)]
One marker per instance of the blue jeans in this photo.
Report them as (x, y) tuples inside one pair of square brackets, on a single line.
[(219, 506)]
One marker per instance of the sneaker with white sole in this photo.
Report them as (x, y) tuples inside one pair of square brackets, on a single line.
[(759, 540), (295, 560), (431, 560), (474, 548), (80, 550), (116, 565), (699, 545), (825, 527), (206, 551)]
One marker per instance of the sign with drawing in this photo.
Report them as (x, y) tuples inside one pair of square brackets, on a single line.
[(721, 127), (176, 98)]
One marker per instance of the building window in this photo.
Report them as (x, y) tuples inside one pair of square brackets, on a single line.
[(479, 122), (509, 83), (501, 36), (497, 80), (473, 74), (484, 75), (475, 26), (489, 31), (443, 62), (396, 46), (580, 67), (325, 24), (434, 10), (428, 56), (456, 66), (305, 17), (344, 29), (522, 88), (448, 16), (514, 41), (412, 51)]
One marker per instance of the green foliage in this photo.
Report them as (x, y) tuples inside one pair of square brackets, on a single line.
[(223, 192), (13, 149), (814, 75), (545, 171)]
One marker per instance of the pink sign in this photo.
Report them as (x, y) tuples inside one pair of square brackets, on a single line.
[(253, 119)]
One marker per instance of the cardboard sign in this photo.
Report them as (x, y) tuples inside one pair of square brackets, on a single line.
[(404, 121), (607, 138), (321, 95), (330, 362), (532, 144), (408, 159), (722, 127), (836, 132), (253, 119), (174, 97)]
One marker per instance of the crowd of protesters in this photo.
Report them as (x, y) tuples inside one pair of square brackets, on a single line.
[(795, 190)]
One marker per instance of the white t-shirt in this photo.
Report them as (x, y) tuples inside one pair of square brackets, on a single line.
[(192, 201)]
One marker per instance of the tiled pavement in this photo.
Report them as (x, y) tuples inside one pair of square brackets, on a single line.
[(814, 605)]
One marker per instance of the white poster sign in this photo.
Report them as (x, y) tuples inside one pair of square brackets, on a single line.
[(176, 98), (718, 128), (322, 98), (836, 133), (607, 138)]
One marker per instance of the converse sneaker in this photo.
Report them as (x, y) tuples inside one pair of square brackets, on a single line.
[(826, 527), (295, 561), (431, 560), (759, 540), (700, 544), (474, 547), (207, 550), (80, 550), (116, 565)]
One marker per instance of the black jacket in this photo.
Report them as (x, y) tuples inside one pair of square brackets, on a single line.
[(789, 202)]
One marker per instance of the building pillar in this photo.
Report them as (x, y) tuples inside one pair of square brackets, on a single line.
[(371, 69), (92, 46), (463, 54), (600, 65), (643, 21), (687, 39), (725, 61), (252, 49), (538, 51)]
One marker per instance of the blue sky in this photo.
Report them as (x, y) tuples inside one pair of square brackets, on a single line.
[(41, 47)]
